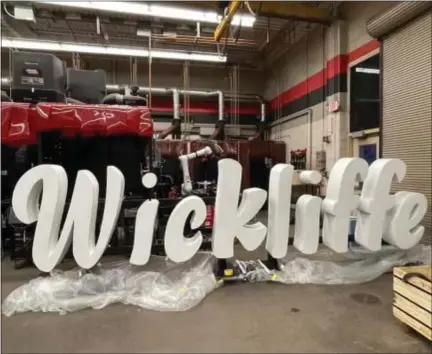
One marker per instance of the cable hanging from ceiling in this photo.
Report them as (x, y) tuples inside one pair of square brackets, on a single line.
[(186, 100)]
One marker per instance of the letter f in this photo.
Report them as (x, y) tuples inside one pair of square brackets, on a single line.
[(340, 201), (231, 219)]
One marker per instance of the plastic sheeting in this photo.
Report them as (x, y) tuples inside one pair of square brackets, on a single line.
[(357, 266), (165, 286), (327, 267), (160, 285)]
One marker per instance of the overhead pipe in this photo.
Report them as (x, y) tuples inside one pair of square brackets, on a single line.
[(220, 125), (175, 129), (116, 98), (142, 91)]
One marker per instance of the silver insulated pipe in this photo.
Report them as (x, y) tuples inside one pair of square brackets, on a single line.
[(221, 105), (176, 103), (263, 112)]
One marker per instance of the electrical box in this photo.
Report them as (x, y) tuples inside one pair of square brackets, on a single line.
[(321, 160), (37, 77)]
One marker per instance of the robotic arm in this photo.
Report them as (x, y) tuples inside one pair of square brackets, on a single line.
[(184, 162)]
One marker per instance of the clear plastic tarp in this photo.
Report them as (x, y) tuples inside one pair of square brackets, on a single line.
[(354, 267), (162, 285)]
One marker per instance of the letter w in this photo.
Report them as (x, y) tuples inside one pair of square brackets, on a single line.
[(48, 248)]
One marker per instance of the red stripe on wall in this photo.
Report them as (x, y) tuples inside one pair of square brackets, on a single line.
[(335, 66), (363, 50), (312, 83)]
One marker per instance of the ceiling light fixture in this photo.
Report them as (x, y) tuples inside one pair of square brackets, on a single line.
[(154, 10), (30, 44)]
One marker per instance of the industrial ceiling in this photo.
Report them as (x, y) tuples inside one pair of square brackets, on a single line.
[(244, 37)]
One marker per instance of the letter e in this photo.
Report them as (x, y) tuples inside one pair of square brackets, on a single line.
[(376, 201), (404, 230)]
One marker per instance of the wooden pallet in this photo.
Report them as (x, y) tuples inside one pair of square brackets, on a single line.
[(412, 298)]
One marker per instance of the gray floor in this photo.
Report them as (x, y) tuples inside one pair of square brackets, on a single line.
[(236, 318)]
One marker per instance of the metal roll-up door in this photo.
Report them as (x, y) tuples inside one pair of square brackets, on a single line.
[(395, 17), (407, 106)]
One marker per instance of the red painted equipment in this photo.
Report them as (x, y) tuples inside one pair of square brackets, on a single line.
[(20, 122), (208, 223)]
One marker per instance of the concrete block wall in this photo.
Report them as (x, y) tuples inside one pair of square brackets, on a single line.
[(314, 73)]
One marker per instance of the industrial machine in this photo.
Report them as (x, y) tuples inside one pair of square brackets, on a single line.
[(37, 78), (87, 86)]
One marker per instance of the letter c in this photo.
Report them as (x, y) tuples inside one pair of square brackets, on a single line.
[(177, 247)]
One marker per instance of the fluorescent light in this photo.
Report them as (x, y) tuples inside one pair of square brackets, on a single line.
[(154, 10), (148, 33), (24, 13), (367, 70), (111, 50), (143, 32)]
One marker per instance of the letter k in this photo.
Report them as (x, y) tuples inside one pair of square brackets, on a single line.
[(231, 219)]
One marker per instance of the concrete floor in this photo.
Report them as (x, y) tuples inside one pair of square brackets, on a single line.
[(261, 318)]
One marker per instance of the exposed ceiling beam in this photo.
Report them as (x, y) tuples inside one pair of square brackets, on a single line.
[(211, 4), (292, 10)]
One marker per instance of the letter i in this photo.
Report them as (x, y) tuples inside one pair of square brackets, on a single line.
[(145, 224), (279, 208), (307, 216)]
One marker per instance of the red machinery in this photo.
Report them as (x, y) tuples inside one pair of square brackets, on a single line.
[(21, 122)]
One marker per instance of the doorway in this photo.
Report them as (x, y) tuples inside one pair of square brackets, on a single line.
[(365, 102)]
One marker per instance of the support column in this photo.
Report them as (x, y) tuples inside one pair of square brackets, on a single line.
[(336, 123)]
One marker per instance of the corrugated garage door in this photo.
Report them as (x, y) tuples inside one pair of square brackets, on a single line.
[(407, 106)]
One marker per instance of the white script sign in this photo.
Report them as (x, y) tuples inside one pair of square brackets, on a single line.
[(380, 215)]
